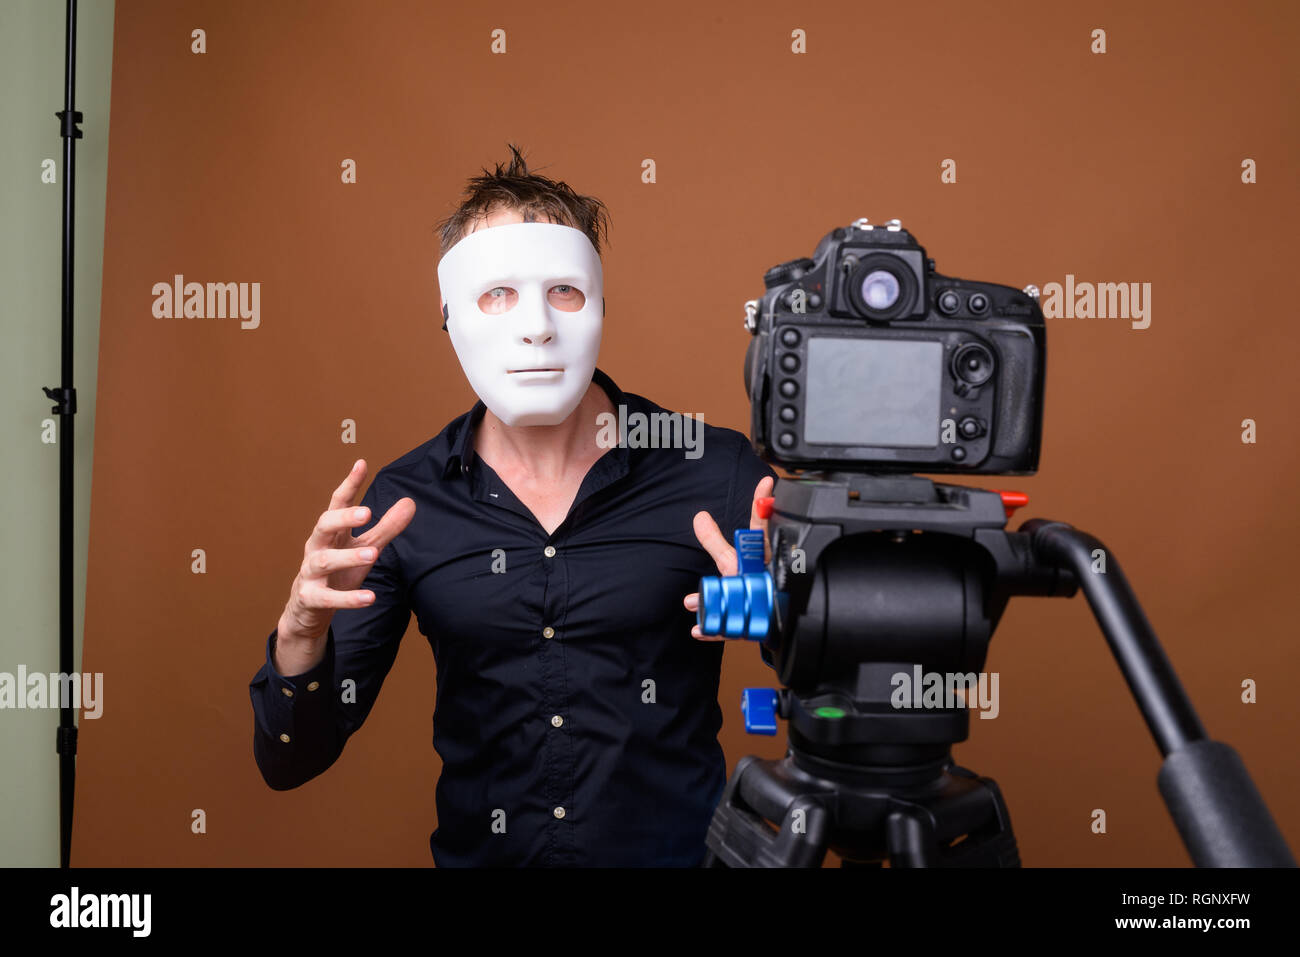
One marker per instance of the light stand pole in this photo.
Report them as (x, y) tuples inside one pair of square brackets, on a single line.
[(66, 398)]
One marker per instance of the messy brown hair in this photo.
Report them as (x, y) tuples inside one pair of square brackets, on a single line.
[(514, 187)]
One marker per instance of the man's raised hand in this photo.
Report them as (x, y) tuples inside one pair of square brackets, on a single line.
[(335, 563), (722, 551)]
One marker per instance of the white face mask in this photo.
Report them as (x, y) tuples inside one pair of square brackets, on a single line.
[(525, 296)]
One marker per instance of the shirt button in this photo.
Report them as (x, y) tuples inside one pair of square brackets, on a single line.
[(549, 551), (313, 686), (284, 738), (558, 812), (548, 632), (556, 720), (288, 692)]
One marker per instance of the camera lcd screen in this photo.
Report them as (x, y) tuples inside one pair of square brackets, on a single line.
[(877, 392)]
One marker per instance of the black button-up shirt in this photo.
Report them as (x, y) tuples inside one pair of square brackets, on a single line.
[(576, 717)]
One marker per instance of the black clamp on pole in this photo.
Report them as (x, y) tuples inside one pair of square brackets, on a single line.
[(66, 742), (69, 121), (66, 397)]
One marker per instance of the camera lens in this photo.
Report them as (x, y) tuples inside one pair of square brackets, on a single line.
[(880, 289)]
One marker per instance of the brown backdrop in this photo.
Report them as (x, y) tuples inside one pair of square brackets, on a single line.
[(1122, 166)]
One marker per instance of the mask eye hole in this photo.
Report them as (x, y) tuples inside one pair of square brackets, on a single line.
[(566, 298), (501, 299), (498, 300)]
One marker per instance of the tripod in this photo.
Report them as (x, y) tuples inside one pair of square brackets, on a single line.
[(874, 579)]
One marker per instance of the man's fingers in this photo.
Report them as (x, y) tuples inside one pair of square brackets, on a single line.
[(692, 603), (391, 525), (711, 537), (700, 636), (325, 561), (721, 551), (334, 521), (346, 493), (762, 490), (314, 596)]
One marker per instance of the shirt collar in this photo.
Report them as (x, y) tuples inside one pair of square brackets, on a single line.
[(462, 448)]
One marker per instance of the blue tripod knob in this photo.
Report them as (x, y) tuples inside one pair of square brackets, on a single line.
[(759, 706), (740, 605)]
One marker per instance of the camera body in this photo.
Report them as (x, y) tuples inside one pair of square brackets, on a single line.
[(866, 359)]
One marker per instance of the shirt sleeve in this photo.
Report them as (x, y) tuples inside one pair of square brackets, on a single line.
[(301, 722)]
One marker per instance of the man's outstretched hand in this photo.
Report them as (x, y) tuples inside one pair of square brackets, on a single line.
[(335, 563), (723, 552)]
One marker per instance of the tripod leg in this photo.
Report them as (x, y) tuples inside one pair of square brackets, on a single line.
[(765, 820), (910, 836), (968, 826), (997, 843)]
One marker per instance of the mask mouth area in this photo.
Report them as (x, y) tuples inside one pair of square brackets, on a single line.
[(513, 371)]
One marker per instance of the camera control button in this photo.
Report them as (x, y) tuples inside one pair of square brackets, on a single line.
[(789, 388), (787, 440), (790, 362), (958, 454), (789, 413), (790, 337), (949, 302), (973, 364)]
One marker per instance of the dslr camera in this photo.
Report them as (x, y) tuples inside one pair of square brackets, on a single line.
[(866, 359)]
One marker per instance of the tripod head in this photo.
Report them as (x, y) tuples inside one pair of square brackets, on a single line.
[(886, 591), (873, 578)]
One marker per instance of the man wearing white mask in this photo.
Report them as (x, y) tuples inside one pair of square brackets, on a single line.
[(576, 715)]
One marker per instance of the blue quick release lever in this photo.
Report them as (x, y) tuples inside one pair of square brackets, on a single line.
[(740, 605)]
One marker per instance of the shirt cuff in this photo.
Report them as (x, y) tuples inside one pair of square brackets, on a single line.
[(281, 696)]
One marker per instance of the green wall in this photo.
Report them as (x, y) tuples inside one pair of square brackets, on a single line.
[(31, 91)]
